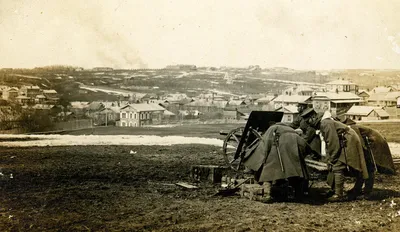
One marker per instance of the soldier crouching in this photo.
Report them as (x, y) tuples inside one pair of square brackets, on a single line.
[(278, 163)]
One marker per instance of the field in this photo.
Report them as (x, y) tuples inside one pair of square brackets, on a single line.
[(132, 188)]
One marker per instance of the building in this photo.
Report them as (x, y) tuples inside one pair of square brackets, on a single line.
[(230, 114), (386, 99), (359, 113), (301, 90), (23, 100), (10, 94), (185, 67), (364, 95), (40, 99), (79, 108), (290, 100), (42, 107), (138, 115), (236, 103), (102, 69), (341, 86), (49, 93), (264, 100), (336, 103), (107, 116), (289, 113), (381, 89), (206, 106), (30, 91)]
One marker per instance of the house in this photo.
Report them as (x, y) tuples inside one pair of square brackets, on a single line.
[(391, 98), (289, 113), (138, 115), (381, 89), (23, 100), (236, 103), (79, 107), (395, 87), (107, 116), (230, 113), (136, 97), (336, 103), (149, 98), (40, 99), (264, 100), (10, 93), (102, 69), (287, 100), (42, 107), (398, 103), (94, 107), (189, 114), (384, 99), (206, 106), (364, 95), (341, 86), (49, 93), (359, 113), (30, 91), (298, 90), (175, 97), (168, 115), (186, 67), (376, 99)]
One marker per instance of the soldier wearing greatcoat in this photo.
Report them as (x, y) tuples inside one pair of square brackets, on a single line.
[(344, 152), (279, 158), (377, 156)]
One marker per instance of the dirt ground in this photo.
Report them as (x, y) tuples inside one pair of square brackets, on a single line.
[(132, 188)]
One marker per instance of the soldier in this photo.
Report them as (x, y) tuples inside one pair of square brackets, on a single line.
[(279, 160), (308, 132), (377, 156), (344, 152), (301, 107)]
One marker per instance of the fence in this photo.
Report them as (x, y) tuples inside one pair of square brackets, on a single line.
[(74, 125)]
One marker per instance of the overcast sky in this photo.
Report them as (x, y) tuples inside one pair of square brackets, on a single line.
[(301, 34)]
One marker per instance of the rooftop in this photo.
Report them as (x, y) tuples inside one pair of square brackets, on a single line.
[(336, 96), (340, 82), (140, 107), (291, 98)]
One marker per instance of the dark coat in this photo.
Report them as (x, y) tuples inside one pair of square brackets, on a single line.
[(378, 147), (309, 133), (352, 154), (265, 159)]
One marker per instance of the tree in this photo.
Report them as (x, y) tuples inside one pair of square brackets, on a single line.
[(65, 105), (36, 121)]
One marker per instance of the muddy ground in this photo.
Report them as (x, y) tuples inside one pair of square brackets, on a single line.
[(110, 188)]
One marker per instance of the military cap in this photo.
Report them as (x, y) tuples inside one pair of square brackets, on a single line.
[(307, 112)]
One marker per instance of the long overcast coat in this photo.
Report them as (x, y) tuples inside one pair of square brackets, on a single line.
[(378, 145), (265, 159), (353, 150)]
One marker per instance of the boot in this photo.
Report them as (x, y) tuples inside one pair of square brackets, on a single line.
[(267, 193), (369, 184), (356, 190), (339, 187)]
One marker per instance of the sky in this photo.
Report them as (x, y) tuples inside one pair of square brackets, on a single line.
[(299, 34)]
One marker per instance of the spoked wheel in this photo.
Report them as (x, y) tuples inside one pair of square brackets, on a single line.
[(232, 143)]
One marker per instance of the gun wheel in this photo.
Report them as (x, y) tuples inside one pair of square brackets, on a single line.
[(231, 145)]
